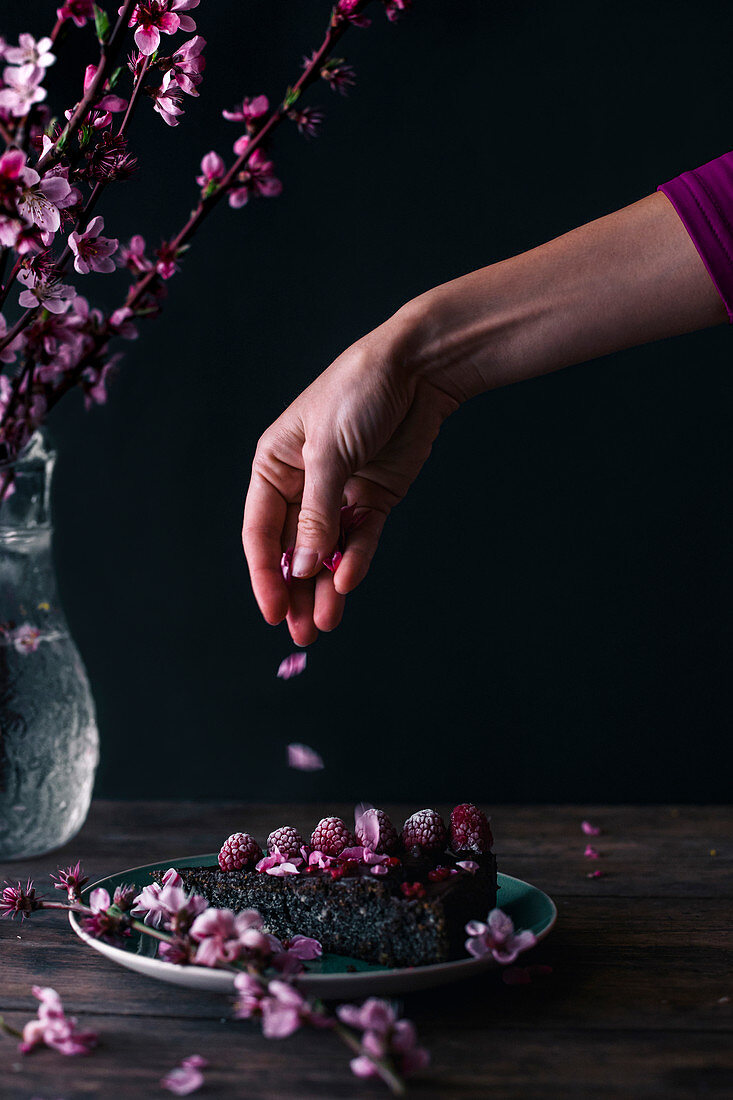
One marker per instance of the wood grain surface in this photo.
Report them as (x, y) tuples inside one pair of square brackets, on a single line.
[(639, 1004)]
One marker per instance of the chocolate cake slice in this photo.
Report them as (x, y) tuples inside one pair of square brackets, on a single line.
[(408, 908)]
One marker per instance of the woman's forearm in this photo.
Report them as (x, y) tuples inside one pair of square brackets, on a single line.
[(625, 279)]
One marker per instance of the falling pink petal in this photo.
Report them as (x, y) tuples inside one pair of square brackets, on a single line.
[(292, 666), (304, 758), (594, 874), (590, 830), (591, 852), (332, 563)]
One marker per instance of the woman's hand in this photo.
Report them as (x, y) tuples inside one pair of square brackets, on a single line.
[(361, 432), (358, 435)]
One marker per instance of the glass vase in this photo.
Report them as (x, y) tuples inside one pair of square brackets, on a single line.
[(49, 744)]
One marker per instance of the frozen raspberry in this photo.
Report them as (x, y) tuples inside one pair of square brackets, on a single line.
[(331, 836), (285, 840), (469, 829), (424, 830), (239, 851), (385, 832), (439, 874)]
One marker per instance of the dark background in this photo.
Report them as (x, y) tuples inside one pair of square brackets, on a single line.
[(549, 617)]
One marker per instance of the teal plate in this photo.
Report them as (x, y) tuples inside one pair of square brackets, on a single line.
[(333, 975)]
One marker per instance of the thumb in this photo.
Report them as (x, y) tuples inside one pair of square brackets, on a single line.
[(319, 518)]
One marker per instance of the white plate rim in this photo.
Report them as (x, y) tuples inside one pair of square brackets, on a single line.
[(324, 985)]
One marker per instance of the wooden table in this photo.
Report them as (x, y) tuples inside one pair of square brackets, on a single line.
[(639, 1004)]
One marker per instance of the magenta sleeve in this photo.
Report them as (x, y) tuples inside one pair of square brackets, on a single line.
[(703, 198)]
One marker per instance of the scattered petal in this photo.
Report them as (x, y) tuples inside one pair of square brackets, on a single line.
[(594, 874), (292, 666), (590, 830), (591, 852), (303, 758)]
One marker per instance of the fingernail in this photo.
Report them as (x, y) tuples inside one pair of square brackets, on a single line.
[(304, 561)]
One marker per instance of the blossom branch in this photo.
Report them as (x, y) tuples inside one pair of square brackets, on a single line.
[(108, 56)]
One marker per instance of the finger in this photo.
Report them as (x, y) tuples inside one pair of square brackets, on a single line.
[(360, 548), (318, 520), (264, 515), (329, 604), (302, 628)]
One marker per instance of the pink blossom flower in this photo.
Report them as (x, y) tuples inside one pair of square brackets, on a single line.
[(49, 293), (278, 865), (133, 256), (303, 758), (120, 321), (337, 74), (186, 1078), (307, 119), (186, 66), (95, 380), (283, 1010), (19, 899), (70, 879), (78, 10), (221, 935), (166, 265), (348, 522), (383, 1035), (91, 251), (103, 924), (394, 8), (292, 666), (22, 89), (168, 104), (155, 17), (591, 852), (12, 164), (304, 948), (498, 938), (590, 830), (256, 178), (249, 110), (41, 199), (26, 638), (53, 1028), (349, 10), (148, 904), (30, 52), (101, 114), (212, 169)]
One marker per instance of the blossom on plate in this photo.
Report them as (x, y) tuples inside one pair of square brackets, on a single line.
[(51, 293), (304, 947), (498, 938), (221, 935), (249, 110), (590, 830), (104, 923), (41, 199), (22, 89), (78, 10), (30, 52), (186, 1078), (19, 899), (148, 904), (186, 66), (255, 179), (70, 879), (26, 638), (52, 1028), (303, 757), (155, 17), (384, 1035), (212, 169), (289, 667), (93, 252)]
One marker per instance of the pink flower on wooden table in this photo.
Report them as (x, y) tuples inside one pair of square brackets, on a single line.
[(22, 89), (155, 17), (92, 252), (498, 938), (186, 1078), (589, 829), (303, 758), (30, 52), (289, 667), (78, 10), (52, 1028), (384, 1036)]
